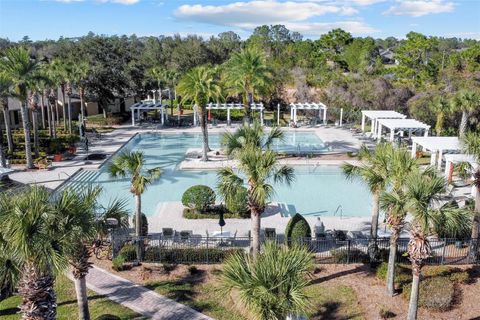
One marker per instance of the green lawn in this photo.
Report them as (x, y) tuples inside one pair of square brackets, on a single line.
[(67, 304)]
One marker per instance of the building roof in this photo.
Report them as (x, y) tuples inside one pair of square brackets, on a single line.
[(405, 124), (383, 114), (148, 106), (438, 143), (308, 106)]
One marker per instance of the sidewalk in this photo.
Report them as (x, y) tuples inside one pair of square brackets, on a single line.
[(141, 300)]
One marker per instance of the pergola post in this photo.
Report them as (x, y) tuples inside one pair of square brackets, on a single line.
[(414, 150), (373, 124), (261, 116), (379, 131), (133, 117), (341, 119), (295, 115), (363, 121), (433, 158), (392, 134), (278, 114), (163, 120), (439, 162), (324, 116), (426, 133), (228, 116)]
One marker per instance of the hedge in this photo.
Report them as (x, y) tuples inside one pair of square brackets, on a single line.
[(349, 256), (199, 197), (237, 203), (187, 255), (436, 293), (144, 228), (298, 228)]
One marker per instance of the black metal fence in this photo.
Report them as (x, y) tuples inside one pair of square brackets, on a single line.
[(210, 250)]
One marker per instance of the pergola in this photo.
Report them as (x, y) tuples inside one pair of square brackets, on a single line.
[(401, 125), (308, 106), (148, 106), (436, 145), (228, 107), (451, 159), (374, 115)]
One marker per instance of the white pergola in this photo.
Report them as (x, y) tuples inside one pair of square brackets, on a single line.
[(451, 159), (437, 146), (148, 105), (401, 125), (374, 115), (228, 107), (308, 106)]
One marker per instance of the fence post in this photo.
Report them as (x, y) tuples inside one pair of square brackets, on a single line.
[(348, 251), (443, 251), (207, 250)]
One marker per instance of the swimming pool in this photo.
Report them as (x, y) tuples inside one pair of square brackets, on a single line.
[(317, 190)]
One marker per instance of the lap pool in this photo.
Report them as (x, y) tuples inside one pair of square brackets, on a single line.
[(317, 190)]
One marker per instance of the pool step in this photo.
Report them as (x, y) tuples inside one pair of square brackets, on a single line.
[(79, 182)]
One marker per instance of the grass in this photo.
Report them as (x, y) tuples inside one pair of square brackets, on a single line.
[(203, 297), (67, 304), (333, 302)]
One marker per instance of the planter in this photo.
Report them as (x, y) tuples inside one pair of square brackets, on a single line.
[(72, 149), (58, 157)]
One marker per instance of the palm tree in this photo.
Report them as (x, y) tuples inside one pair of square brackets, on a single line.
[(247, 74), (374, 173), (171, 79), (258, 167), (59, 71), (78, 75), (471, 145), (466, 102), (199, 86), (441, 107), (24, 73), (5, 86), (33, 106), (27, 221), (132, 164), (78, 219), (422, 195), (271, 286)]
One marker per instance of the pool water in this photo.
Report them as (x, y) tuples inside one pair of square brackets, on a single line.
[(317, 190)]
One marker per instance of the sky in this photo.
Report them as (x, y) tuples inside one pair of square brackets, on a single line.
[(51, 19)]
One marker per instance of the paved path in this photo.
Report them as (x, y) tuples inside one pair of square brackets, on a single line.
[(141, 300)]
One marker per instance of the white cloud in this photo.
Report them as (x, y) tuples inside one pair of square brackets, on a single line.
[(243, 14), (418, 8), (318, 28)]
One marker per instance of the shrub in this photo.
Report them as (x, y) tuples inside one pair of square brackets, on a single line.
[(298, 228), (435, 293), (169, 267), (460, 277), (199, 197), (193, 270), (402, 274), (211, 213), (128, 252), (117, 263), (237, 203), (187, 255), (345, 256), (386, 314), (144, 228)]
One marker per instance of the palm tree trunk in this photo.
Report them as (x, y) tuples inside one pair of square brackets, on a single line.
[(476, 217), (249, 108), (463, 123), (8, 130), (255, 221), (54, 119), (57, 114), (375, 213), (35, 132), (439, 123), (413, 305), (138, 226), (3, 159), (38, 295), (82, 111), (70, 113), (203, 122), (26, 131), (391, 262), (82, 300), (64, 108), (43, 110), (49, 119)]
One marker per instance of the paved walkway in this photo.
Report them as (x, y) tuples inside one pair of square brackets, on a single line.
[(138, 298)]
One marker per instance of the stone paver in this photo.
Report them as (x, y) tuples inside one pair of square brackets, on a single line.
[(138, 298)]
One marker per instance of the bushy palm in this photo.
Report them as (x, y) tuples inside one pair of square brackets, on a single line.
[(422, 195), (374, 173), (258, 167), (271, 286), (441, 107), (199, 87), (58, 72), (471, 145), (23, 72), (466, 102), (248, 74), (78, 76), (131, 164)]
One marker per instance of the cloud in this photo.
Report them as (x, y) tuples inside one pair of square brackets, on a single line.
[(418, 8), (245, 14), (319, 28)]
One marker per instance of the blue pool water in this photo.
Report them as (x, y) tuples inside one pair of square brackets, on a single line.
[(316, 191)]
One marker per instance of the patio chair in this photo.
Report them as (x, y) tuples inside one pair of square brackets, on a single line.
[(167, 233), (185, 235), (270, 233)]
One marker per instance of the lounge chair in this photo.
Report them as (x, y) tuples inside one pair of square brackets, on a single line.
[(185, 235), (270, 233), (167, 233)]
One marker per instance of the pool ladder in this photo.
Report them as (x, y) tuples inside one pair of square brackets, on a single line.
[(341, 211)]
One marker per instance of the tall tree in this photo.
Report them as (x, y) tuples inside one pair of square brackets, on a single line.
[(131, 164), (471, 145), (24, 73), (441, 106), (422, 197), (466, 102), (199, 87), (248, 74), (258, 168), (60, 73), (78, 75), (5, 85)]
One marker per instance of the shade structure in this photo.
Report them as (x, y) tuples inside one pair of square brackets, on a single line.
[(148, 105), (294, 107), (231, 106), (451, 159), (401, 125), (374, 115), (437, 146)]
